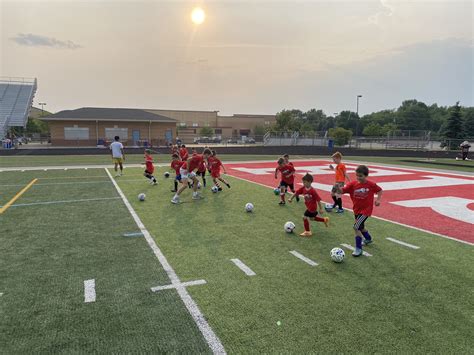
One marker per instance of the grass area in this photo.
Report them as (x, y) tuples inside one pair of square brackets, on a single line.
[(400, 300), (78, 160)]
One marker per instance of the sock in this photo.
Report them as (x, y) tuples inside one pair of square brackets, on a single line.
[(367, 235), (358, 242), (319, 219), (282, 197), (176, 185), (334, 198), (306, 225), (175, 196), (204, 181), (339, 203), (153, 178)]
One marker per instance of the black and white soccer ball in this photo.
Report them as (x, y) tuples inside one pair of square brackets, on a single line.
[(289, 227), (214, 189), (166, 174), (249, 207), (337, 255), (141, 197)]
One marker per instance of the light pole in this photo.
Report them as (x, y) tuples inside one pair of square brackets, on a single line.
[(357, 122), (42, 104)]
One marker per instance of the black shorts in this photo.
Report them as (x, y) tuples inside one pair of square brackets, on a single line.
[(201, 173), (285, 185), (360, 221), (337, 186), (148, 172), (310, 214)]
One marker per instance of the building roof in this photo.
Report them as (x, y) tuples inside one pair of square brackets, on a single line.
[(108, 114)]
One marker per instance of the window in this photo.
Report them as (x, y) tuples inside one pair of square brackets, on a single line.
[(267, 123), (218, 131), (195, 124), (76, 133), (182, 124), (110, 133)]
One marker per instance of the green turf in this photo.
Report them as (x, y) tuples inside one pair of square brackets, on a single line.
[(78, 160), (400, 300)]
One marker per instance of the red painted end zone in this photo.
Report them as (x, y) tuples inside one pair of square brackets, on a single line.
[(436, 202)]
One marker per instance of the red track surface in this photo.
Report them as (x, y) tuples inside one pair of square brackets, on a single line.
[(459, 226)]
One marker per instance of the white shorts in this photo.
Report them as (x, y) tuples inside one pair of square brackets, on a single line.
[(185, 174)]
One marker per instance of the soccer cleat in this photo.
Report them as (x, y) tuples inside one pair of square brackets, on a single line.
[(219, 188), (326, 221), (174, 190), (117, 175), (175, 200), (197, 197), (367, 242), (297, 199), (306, 234), (357, 252), (282, 203), (340, 210), (228, 185)]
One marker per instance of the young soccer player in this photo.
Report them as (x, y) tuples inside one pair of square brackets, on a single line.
[(362, 194), (201, 171), (312, 202), (187, 173), (341, 177), (149, 167), (287, 172), (118, 155), (215, 165), (183, 153), (287, 160), (176, 165)]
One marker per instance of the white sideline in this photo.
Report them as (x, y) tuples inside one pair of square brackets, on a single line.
[(89, 290), (63, 201), (183, 284), (248, 271), (350, 247), (373, 216), (403, 243), (211, 338), (304, 258)]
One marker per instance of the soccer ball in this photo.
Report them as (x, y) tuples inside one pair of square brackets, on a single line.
[(214, 189), (167, 174), (337, 255), (141, 197), (249, 207), (276, 191), (328, 207), (289, 227)]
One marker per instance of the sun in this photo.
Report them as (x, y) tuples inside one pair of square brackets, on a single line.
[(198, 16)]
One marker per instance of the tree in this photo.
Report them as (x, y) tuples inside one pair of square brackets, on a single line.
[(259, 130), (413, 115), (373, 130), (454, 126), (347, 120), (206, 132), (340, 135), (469, 122)]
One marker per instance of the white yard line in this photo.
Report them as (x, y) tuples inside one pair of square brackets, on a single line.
[(63, 201), (183, 284), (75, 183), (350, 247), (211, 338), (376, 217), (403, 243), (304, 258), (248, 271), (89, 290)]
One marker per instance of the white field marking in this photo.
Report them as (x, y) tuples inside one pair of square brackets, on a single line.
[(63, 201), (70, 167), (134, 234), (403, 243), (1, 294), (350, 247), (74, 183), (211, 338), (304, 258), (450, 206), (376, 217), (248, 271), (89, 290), (183, 284)]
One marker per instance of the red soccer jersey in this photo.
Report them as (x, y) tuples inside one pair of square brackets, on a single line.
[(194, 162), (178, 164), (311, 198), (362, 196), (183, 153), (202, 166), (214, 163), (287, 173), (149, 164)]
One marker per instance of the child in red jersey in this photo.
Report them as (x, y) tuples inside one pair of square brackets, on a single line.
[(215, 165), (287, 172), (312, 202), (149, 167), (183, 153), (201, 171), (176, 165), (341, 177), (362, 194), (286, 157), (188, 173)]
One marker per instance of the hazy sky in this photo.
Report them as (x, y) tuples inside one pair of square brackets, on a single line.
[(247, 57)]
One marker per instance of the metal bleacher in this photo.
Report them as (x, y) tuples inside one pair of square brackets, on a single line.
[(16, 99)]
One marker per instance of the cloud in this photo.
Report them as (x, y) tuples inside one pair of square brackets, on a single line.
[(387, 11), (32, 40)]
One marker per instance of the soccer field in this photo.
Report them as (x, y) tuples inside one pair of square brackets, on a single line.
[(63, 228)]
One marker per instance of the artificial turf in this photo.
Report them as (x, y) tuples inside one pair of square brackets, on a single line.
[(399, 300)]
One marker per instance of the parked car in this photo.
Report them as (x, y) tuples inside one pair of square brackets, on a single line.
[(204, 140)]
